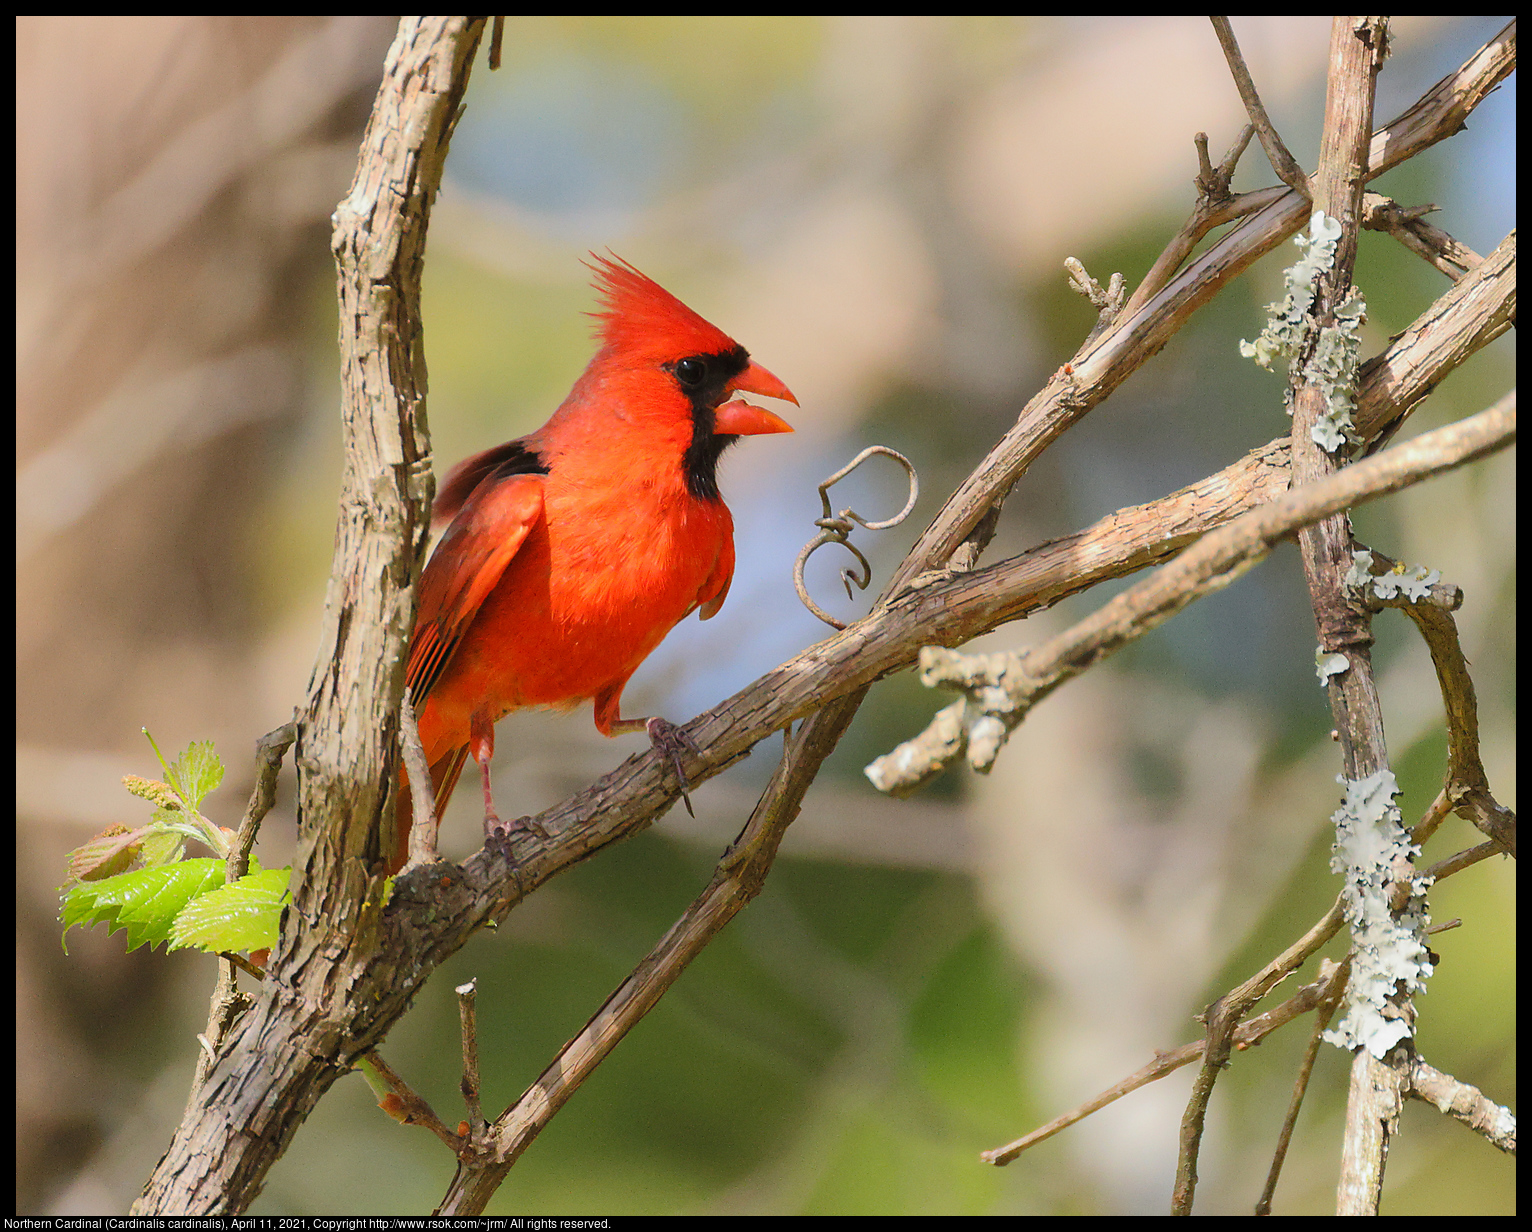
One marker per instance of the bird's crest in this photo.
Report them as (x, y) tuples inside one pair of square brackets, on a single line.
[(644, 321)]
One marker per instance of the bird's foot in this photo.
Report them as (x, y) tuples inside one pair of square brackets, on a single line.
[(499, 832), (673, 743)]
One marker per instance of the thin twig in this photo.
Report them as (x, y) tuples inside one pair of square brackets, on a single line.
[(1440, 810), (227, 1001), (1247, 1035), (467, 995), (269, 751), (422, 798), (1467, 787), (243, 963), (1281, 159), (1107, 301), (1323, 1012), (1467, 783), (1213, 182), (406, 1106), (1215, 206), (1464, 859), (496, 41)]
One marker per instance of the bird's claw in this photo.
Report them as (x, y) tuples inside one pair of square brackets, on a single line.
[(672, 742), (499, 832)]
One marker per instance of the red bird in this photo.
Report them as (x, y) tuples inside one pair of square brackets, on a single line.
[(572, 552)]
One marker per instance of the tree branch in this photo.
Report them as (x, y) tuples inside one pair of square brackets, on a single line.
[(1001, 688), (301, 1034), (740, 874), (1281, 159), (1357, 49), (1410, 228), (1466, 1103)]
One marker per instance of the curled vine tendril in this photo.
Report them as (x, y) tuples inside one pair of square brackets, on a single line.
[(836, 527)]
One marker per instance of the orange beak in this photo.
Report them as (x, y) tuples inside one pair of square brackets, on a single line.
[(740, 418)]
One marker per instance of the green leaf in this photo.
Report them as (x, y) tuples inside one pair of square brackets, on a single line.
[(197, 772), (145, 902), (240, 916), (165, 847)]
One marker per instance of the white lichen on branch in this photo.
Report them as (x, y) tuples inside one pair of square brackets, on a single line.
[(1329, 663), (1389, 950), (1413, 584), (1336, 351)]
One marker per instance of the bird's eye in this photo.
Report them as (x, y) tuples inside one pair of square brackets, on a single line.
[(691, 372)]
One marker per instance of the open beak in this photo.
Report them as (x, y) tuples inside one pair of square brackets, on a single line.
[(740, 418)]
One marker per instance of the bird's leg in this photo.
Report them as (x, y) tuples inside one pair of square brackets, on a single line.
[(670, 741), (481, 743)]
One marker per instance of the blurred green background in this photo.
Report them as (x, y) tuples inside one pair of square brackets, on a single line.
[(878, 208)]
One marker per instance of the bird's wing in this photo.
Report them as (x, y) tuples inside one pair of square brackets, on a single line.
[(487, 532), (518, 457), (716, 589)]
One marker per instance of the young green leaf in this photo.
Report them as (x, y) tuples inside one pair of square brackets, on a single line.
[(241, 916), (165, 847), (144, 902), (197, 772)]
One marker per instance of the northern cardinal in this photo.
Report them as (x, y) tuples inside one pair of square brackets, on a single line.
[(572, 552)]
